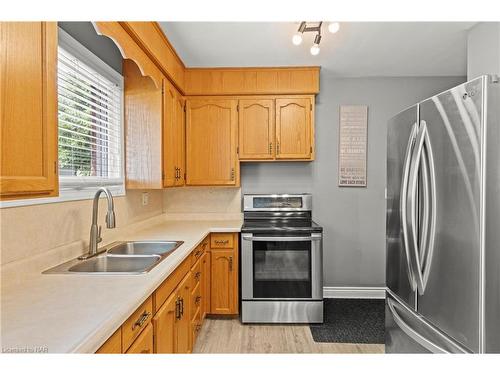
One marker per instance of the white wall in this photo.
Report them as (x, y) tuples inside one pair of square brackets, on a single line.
[(483, 49), (353, 218)]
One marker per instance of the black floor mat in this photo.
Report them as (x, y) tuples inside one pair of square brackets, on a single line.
[(351, 321)]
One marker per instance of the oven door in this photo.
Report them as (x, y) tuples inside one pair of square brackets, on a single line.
[(281, 268)]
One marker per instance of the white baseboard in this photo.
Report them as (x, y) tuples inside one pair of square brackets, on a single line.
[(354, 292)]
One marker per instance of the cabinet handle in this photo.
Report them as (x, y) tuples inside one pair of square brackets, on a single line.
[(197, 276), (197, 253), (278, 148), (221, 242), (231, 264), (142, 319), (270, 147), (178, 309), (197, 300), (232, 174), (182, 307)]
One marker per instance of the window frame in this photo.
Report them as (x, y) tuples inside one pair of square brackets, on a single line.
[(70, 190)]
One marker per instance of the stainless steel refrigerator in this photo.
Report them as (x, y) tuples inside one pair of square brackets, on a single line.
[(443, 223)]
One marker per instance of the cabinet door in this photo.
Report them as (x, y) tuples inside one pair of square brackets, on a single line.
[(205, 297), (224, 282), (293, 128), (173, 136), (113, 345), (164, 326), (169, 135), (28, 109), (211, 137), (256, 129), (183, 325), (144, 343), (180, 131), (143, 129)]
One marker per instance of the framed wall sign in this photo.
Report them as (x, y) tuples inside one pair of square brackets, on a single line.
[(353, 140)]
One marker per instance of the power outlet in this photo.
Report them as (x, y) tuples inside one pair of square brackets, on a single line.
[(145, 199)]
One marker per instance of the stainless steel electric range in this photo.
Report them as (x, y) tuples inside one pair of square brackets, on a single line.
[(281, 260)]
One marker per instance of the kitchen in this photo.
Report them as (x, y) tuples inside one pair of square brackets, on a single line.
[(179, 187)]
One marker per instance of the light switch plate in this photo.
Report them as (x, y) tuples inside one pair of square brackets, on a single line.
[(145, 198)]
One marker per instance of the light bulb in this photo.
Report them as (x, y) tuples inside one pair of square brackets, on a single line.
[(297, 39), (333, 27), (315, 49)]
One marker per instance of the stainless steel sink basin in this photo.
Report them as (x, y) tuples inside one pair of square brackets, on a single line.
[(121, 265), (121, 258), (143, 248)]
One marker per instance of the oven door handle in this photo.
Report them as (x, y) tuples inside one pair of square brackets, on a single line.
[(313, 237)]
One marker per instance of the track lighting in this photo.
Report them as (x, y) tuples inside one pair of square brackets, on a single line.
[(297, 38)]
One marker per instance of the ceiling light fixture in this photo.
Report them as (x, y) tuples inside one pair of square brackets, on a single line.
[(333, 27), (315, 47), (297, 38)]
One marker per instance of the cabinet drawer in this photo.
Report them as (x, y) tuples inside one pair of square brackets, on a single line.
[(136, 323), (144, 343), (199, 251), (221, 241), (113, 345), (196, 274), (195, 301), (168, 286)]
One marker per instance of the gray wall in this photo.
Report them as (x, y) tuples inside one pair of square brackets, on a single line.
[(101, 46), (353, 218), (483, 49)]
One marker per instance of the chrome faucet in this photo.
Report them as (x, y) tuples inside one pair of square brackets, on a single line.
[(95, 230)]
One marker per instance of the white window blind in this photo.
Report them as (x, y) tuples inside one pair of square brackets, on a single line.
[(90, 98)]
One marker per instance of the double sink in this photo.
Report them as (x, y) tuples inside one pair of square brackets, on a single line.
[(129, 257)]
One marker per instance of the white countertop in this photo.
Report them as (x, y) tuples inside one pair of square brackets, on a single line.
[(77, 313)]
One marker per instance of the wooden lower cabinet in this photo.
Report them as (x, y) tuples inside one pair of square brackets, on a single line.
[(182, 331), (205, 284), (164, 326), (113, 345), (144, 343), (224, 279), (169, 321)]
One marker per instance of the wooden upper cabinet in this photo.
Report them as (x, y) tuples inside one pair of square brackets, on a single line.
[(143, 129), (294, 128), (256, 129), (173, 136), (28, 110), (211, 138)]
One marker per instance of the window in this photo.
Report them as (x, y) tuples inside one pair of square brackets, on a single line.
[(90, 114)]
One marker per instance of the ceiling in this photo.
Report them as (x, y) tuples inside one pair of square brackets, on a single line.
[(359, 49)]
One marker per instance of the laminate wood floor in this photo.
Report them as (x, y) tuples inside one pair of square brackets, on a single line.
[(230, 336)]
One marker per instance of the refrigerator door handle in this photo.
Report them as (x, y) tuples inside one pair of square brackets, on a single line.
[(429, 345), (411, 203), (403, 203), (430, 202)]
